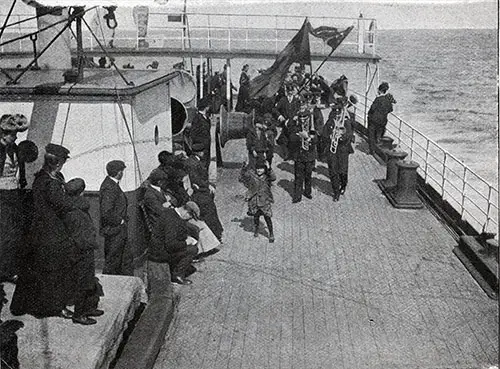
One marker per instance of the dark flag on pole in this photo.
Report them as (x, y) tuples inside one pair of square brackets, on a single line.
[(331, 35), (297, 51)]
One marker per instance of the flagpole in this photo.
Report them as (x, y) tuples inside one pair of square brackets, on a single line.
[(316, 71)]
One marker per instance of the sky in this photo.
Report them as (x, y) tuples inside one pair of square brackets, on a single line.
[(390, 14)]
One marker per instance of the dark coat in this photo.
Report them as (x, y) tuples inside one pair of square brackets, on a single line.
[(153, 204), (200, 131), (168, 237), (345, 142), (52, 244), (113, 206), (381, 106), (262, 143), (198, 173), (286, 108), (298, 153)]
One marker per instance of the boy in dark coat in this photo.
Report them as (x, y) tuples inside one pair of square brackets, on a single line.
[(82, 231)]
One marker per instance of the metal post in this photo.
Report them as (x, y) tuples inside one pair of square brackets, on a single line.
[(444, 174), (276, 34), (202, 72), (488, 210), (426, 159), (399, 134), (367, 67), (228, 84), (79, 44), (463, 191), (209, 41)]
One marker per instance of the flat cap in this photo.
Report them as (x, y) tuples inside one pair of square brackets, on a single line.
[(193, 209), (13, 123), (75, 187), (114, 166), (57, 150)]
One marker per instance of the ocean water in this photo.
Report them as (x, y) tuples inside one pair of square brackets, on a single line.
[(444, 81)]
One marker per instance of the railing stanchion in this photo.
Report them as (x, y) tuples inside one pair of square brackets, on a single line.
[(463, 191), (411, 143), (426, 158), (399, 132), (444, 174), (486, 224)]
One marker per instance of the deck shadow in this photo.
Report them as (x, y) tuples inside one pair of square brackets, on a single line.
[(247, 225), (287, 186), (322, 185), (232, 165), (362, 147), (286, 166)]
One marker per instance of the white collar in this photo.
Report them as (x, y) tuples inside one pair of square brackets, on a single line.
[(156, 188), (115, 180)]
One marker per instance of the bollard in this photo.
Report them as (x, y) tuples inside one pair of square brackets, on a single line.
[(386, 143), (393, 157), (404, 196)]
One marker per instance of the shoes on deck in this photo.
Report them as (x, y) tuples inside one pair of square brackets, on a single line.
[(180, 280), (66, 314), (294, 201), (83, 320), (95, 312), (308, 196), (271, 238)]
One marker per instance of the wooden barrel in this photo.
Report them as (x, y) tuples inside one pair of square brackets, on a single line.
[(234, 125)]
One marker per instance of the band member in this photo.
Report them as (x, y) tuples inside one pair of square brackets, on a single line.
[(337, 135), (287, 108), (304, 140)]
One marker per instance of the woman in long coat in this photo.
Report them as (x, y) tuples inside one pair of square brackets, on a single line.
[(45, 289)]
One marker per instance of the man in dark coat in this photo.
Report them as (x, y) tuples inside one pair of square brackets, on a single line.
[(114, 218), (200, 130), (203, 194), (304, 140), (287, 108), (171, 244), (377, 115), (337, 135), (82, 231), (45, 281), (155, 199)]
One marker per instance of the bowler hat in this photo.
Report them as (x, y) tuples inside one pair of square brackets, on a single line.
[(197, 147), (57, 150), (114, 166), (75, 187), (260, 164), (193, 209)]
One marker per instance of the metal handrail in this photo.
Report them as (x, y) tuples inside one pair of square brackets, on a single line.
[(406, 136)]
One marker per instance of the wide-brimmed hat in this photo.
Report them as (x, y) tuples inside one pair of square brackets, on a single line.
[(13, 123)]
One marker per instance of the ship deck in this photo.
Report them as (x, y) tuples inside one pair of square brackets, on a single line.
[(353, 284)]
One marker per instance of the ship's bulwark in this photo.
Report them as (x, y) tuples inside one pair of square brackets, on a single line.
[(353, 284)]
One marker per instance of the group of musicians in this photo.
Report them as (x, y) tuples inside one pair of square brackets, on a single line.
[(305, 137)]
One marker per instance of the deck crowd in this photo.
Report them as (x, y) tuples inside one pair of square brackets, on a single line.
[(176, 200)]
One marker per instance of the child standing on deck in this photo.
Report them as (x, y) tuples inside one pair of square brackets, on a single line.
[(259, 195)]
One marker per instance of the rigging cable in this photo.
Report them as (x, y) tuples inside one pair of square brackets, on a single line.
[(107, 55), (65, 123), (7, 19), (136, 158)]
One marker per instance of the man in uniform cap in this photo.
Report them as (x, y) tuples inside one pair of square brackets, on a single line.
[(114, 218), (57, 150)]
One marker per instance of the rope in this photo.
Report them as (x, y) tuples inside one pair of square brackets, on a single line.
[(65, 123), (136, 158), (100, 24), (106, 53), (7, 19)]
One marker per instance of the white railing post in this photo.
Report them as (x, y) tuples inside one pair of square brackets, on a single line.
[(276, 34), (485, 226), (443, 182), (399, 132), (426, 158), (463, 191), (411, 143)]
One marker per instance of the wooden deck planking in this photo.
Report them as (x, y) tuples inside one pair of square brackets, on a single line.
[(354, 284)]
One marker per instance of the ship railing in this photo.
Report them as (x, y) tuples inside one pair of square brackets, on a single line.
[(473, 197), (220, 32)]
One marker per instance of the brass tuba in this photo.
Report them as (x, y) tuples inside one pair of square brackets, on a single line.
[(338, 129)]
